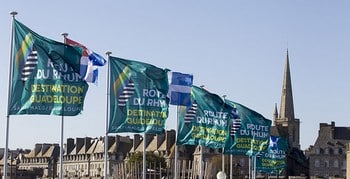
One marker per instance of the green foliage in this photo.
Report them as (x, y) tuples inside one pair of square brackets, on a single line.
[(151, 158)]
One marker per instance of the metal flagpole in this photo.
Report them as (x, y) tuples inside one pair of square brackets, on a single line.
[(62, 128), (222, 161), (254, 167), (200, 162), (201, 156), (250, 166), (107, 115), (222, 153), (231, 171), (61, 148), (144, 156), (13, 13), (176, 148)]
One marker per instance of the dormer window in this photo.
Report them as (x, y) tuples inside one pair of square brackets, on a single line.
[(317, 150)]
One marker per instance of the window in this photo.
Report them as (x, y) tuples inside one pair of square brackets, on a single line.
[(336, 151), (326, 151), (317, 150), (317, 163), (326, 163), (336, 163)]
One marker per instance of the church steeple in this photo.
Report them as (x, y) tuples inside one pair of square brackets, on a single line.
[(288, 126), (287, 106)]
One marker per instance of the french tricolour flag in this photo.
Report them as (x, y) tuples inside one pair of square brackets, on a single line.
[(180, 89), (88, 62)]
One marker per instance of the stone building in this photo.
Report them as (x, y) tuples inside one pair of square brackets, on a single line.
[(13, 162), (162, 144), (41, 161), (348, 159), (327, 156), (84, 157)]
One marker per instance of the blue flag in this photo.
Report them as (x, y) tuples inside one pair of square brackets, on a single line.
[(88, 62), (180, 89)]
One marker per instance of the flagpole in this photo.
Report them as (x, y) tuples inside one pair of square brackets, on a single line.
[(250, 166), (176, 148), (62, 127), (254, 167), (200, 162), (223, 148), (231, 171), (61, 147), (201, 155), (144, 156), (13, 13), (222, 161), (108, 53)]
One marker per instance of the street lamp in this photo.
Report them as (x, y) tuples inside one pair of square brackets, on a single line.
[(221, 175)]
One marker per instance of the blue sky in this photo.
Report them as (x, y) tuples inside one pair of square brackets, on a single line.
[(234, 48)]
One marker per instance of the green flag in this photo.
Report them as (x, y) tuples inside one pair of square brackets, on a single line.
[(45, 78), (253, 134), (274, 157), (138, 97), (206, 121)]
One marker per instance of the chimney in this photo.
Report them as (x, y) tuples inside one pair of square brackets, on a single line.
[(333, 124), (149, 138), (332, 129), (170, 138), (44, 148), (69, 146), (137, 140), (79, 144), (87, 143), (111, 141), (37, 148), (160, 139)]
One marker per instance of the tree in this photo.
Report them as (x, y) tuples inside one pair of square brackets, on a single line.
[(151, 160)]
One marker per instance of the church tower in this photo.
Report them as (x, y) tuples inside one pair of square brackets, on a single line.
[(287, 125)]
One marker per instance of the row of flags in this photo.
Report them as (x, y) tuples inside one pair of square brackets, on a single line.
[(50, 78)]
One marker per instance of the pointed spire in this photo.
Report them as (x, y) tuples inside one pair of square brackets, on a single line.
[(287, 106)]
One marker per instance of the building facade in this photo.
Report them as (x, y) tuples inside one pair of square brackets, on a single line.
[(327, 157), (13, 163), (42, 160), (84, 157)]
